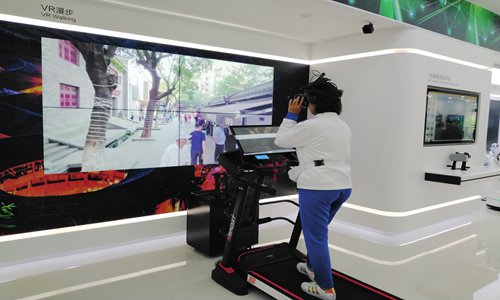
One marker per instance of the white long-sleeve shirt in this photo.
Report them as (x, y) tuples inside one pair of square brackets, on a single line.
[(173, 156), (326, 137), (219, 135)]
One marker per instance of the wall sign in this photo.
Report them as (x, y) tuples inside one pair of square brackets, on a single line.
[(442, 79), (57, 13)]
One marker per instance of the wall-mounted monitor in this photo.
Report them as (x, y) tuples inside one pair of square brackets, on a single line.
[(451, 116)]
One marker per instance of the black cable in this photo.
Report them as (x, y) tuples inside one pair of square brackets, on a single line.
[(269, 219), (279, 201), (284, 219)]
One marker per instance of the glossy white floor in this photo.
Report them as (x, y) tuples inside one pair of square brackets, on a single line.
[(460, 262)]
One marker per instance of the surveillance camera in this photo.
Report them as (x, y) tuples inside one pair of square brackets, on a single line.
[(368, 28)]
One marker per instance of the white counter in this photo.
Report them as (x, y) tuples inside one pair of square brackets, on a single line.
[(447, 175)]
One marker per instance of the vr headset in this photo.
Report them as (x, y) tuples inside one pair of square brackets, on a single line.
[(322, 88)]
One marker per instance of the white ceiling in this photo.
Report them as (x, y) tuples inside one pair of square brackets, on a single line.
[(491, 5), (306, 21), (309, 21)]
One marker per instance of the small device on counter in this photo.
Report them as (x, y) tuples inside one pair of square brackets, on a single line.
[(462, 157)]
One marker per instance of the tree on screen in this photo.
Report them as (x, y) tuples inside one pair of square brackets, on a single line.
[(176, 71), (150, 61), (97, 58), (240, 77), (194, 73), (168, 72)]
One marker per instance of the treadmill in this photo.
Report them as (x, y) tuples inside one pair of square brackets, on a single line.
[(272, 268)]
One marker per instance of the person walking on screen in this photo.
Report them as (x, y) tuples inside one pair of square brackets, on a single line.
[(220, 141), (176, 154), (323, 145), (197, 145)]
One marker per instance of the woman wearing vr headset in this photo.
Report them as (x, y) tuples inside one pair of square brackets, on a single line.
[(323, 145)]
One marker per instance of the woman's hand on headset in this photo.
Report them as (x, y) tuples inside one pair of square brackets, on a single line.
[(295, 105)]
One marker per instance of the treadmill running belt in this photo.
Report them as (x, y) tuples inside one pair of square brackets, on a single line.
[(285, 274)]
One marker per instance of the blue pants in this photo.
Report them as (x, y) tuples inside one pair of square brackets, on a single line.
[(218, 150), (196, 157), (317, 209)]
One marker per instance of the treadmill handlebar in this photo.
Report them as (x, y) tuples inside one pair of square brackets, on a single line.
[(291, 163), (249, 179)]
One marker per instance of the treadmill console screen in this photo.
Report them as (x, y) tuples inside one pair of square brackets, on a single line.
[(262, 157), (254, 140)]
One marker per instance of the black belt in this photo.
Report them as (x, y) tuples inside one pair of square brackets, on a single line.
[(319, 162)]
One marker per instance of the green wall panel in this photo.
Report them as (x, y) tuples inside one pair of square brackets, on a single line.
[(459, 19)]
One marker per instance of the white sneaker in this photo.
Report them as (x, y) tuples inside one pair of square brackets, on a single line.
[(302, 268), (313, 289)]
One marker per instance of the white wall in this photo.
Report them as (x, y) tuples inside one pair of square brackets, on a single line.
[(495, 89), (384, 103), (24, 248), (103, 16), (411, 37)]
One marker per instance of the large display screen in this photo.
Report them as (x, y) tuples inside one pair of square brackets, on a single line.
[(114, 108), (75, 101), (451, 116)]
